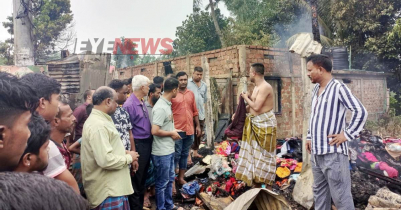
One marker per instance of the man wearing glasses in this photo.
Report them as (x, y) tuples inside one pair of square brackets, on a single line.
[(141, 130)]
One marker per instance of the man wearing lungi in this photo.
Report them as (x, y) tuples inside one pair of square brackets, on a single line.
[(257, 162)]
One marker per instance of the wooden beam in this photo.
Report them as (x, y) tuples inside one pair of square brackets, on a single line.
[(208, 108)]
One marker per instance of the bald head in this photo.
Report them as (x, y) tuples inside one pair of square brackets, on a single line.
[(101, 94), (104, 99)]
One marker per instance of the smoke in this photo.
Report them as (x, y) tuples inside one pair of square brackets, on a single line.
[(300, 24)]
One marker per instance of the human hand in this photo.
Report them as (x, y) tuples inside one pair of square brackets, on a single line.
[(134, 155), (175, 135), (309, 146), (232, 118), (198, 131), (135, 166), (338, 139), (244, 95)]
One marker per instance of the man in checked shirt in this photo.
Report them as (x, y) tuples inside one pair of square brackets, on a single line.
[(328, 135)]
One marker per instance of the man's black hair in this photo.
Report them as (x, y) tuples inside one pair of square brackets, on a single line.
[(259, 68), (35, 191), (321, 61), (158, 80), (87, 93), (89, 109), (43, 85), (198, 69), (170, 84), (15, 99), (116, 84), (180, 74), (100, 95), (129, 81), (152, 88), (40, 133)]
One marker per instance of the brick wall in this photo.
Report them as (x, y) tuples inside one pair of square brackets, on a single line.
[(370, 89)]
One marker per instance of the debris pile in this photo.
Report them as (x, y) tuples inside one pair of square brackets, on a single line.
[(374, 164)]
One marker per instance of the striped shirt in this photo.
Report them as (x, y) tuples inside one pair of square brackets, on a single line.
[(328, 117)]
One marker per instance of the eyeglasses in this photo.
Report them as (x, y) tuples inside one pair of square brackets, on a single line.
[(143, 109)]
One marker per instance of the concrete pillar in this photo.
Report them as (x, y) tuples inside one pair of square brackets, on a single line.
[(23, 43)]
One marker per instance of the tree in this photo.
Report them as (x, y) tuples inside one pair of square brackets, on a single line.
[(51, 27), (6, 57), (145, 59), (198, 33), (215, 21), (123, 60), (196, 4)]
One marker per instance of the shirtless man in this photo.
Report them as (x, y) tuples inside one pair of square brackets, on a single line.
[(258, 143)]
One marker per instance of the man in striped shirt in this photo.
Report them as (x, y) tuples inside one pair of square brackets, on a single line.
[(328, 135)]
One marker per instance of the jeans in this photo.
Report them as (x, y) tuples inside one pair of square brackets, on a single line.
[(164, 176), (144, 149), (182, 148)]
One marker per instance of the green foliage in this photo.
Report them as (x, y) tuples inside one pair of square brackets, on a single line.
[(389, 124), (50, 23), (395, 103), (122, 60), (145, 59), (6, 57), (198, 34), (373, 34)]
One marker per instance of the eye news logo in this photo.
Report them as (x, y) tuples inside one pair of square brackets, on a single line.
[(126, 46)]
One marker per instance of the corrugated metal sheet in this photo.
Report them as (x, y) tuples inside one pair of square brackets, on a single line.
[(66, 71), (305, 46)]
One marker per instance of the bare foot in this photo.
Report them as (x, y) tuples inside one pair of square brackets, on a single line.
[(181, 181), (189, 160), (146, 201), (174, 190)]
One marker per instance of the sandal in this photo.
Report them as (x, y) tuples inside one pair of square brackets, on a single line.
[(177, 208)]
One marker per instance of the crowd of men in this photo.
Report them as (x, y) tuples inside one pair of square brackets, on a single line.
[(126, 138), (135, 135)]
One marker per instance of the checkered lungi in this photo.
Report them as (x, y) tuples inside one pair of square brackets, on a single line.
[(114, 203)]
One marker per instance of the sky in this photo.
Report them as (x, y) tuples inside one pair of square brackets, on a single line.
[(116, 18)]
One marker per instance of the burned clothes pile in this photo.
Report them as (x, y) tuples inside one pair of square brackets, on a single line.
[(289, 162), (376, 154)]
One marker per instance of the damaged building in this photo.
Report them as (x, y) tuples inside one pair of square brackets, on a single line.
[(283, 70), (80, 72)]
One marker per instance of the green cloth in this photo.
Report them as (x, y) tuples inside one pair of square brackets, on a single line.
[(105, 165), (163, 117)]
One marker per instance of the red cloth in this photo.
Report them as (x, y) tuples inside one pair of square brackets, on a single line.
[(236, 128), (392, 172)]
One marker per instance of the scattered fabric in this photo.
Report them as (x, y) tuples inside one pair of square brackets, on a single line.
[(298, 168), (190, 188), (224, 148), (368, 157), (394, 150), (283, 172), (390, 171)]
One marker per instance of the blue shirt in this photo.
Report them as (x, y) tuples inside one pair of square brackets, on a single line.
[(200, 96)]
